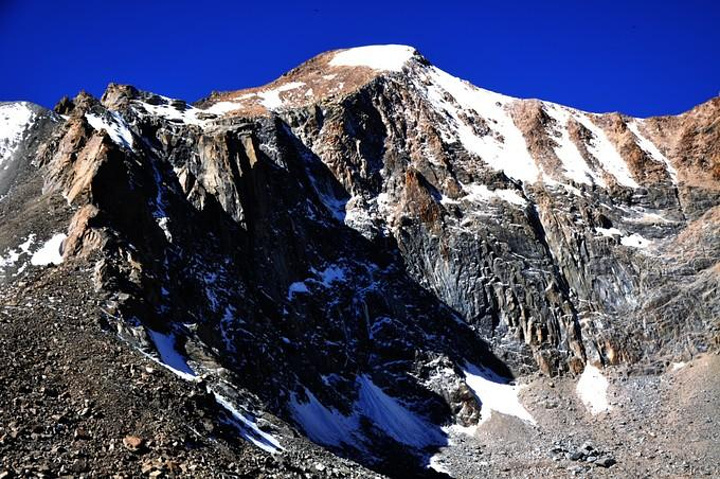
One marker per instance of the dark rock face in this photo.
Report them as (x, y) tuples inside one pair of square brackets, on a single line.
[(345, 258)]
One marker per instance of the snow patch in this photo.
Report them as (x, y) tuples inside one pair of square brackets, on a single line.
[(495, 394), (14, 254), (437, 464), (168, 111), (332, 274), (116, 128), (51, 251), (482, 193), (14, 120), (377, 57), (635, 241), (680, 365), (271, 100), (297, 287), (222, 107), (592, 390), (609, 232)]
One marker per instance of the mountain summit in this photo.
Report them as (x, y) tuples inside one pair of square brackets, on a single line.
[(367, 264)]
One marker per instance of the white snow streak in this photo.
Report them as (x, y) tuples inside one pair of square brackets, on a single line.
[(169, 355), (504, 148), (602, 148), (592, 390), (652, 150), (481, 193), (576, 168), (395, 419)]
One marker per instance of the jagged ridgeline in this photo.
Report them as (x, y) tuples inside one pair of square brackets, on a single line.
[(369, 249)]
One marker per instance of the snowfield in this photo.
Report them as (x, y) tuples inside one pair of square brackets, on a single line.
[(377, 57)]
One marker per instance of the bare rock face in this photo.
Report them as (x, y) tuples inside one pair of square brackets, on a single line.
[(344, 245)]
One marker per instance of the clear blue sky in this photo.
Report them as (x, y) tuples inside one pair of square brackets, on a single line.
[(638, 57)]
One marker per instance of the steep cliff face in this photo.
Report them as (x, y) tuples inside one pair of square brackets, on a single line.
[(351, 245)]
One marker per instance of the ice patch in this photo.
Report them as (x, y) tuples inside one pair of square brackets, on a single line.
[(169, 355), (592, 390), (248, 428), (377, 57), (50, 253), (116, 128), (495, 394)]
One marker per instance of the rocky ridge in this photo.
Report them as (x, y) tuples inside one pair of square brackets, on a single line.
[(367, 246)]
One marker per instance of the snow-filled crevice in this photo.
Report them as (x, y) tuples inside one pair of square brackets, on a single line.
[(173, 360), (247, 427)]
